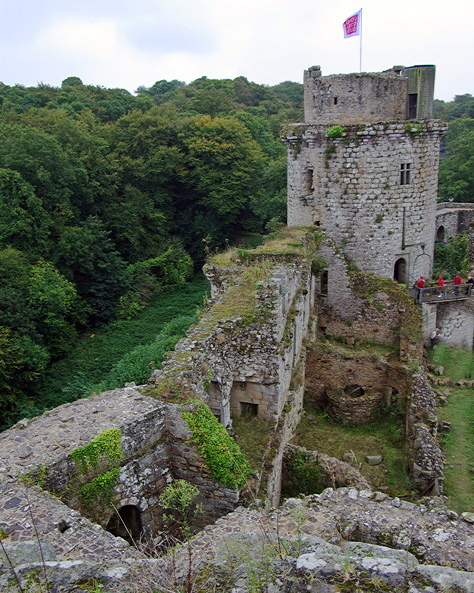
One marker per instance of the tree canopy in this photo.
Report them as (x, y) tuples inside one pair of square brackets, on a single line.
[(105, 196)]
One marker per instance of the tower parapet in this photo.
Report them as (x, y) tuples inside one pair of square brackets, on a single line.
[(394, 95)]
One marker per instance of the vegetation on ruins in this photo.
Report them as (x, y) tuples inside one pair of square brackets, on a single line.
[(226, 461), (451, 258), (179, 498), (98, 467), (457, 409), (106, 198)]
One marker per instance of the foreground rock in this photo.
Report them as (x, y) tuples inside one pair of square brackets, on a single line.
[(341, 540)]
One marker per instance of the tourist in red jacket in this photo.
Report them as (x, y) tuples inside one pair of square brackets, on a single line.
[(457, 281), (440, 286)]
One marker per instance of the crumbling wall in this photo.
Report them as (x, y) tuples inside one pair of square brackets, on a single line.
[(426, 457), (154, 448)]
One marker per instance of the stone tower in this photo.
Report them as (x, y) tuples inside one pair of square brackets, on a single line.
[(364, 167)]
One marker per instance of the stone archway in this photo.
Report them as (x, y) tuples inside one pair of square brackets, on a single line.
[(127, 524), (400, 271), (440, 234)]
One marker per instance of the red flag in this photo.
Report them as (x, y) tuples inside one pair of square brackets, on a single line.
[(352, 25)]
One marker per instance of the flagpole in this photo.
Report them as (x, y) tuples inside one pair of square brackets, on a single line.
[(360, 45)]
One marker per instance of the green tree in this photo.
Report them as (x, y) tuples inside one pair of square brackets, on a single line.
[(36, 302), (87, 257), (24, 223), (457, 167), (55, 175), (223, 164)]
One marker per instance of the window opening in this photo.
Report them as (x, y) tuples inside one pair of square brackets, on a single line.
[(324, 283), (335, 100), (412, 105), (308, 180), (248, 408), (405, 174)]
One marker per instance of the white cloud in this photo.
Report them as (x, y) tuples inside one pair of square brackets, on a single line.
[(129, 44)]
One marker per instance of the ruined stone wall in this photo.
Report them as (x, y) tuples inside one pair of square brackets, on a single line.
[(363, 308), (155, 448), (351, 186), (455, 218), (232, 361), (426, 457), (352, 384), (354, 98), (456, 323)]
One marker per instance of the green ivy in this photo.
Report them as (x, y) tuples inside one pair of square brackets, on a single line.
[(106, 445), (226, 461), (99, 491)]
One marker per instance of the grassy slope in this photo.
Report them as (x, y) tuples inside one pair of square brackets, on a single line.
[(96, 353), (458, 444)]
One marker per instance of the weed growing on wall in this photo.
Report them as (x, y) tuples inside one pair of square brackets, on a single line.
[(335, 132), (180, 498), (105, 446), (226, 461), (98, 464)]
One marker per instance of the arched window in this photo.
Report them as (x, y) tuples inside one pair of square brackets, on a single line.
[(400, 271)]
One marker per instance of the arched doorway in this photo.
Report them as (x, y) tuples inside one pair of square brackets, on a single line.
[(127, 525), (400, 271), (440, 234)]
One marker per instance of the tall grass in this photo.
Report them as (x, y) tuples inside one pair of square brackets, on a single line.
[(123, 351)]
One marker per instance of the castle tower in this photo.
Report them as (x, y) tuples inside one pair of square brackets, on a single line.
[(364, 167)]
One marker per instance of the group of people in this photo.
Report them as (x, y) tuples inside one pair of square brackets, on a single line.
[(457, 281)]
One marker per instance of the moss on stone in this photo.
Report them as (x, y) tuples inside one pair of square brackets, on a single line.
[(105, 447)]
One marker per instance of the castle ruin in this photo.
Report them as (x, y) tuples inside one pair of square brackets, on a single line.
[(362, 175)]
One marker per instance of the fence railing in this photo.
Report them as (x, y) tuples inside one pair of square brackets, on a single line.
[(448, 292)]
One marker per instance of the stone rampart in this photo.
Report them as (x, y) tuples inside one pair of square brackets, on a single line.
[(354, 98)]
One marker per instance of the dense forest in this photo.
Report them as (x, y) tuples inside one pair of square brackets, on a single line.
[(107, 196)]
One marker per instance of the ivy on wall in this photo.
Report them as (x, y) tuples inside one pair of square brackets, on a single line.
[(98, 464), (226, 461)]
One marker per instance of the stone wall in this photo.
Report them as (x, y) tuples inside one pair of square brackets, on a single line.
[(453, 218), (426, 457), (155, 445), (363, 308), (354, 98), (456, 323), (353, 385), (351, 186)]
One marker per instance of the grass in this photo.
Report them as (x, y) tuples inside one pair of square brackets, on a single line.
[(253, 436), (458, 447), (318, 432), (458, 444), (96, 353)]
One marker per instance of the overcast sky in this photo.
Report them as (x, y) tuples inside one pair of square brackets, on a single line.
[(132, 43)]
